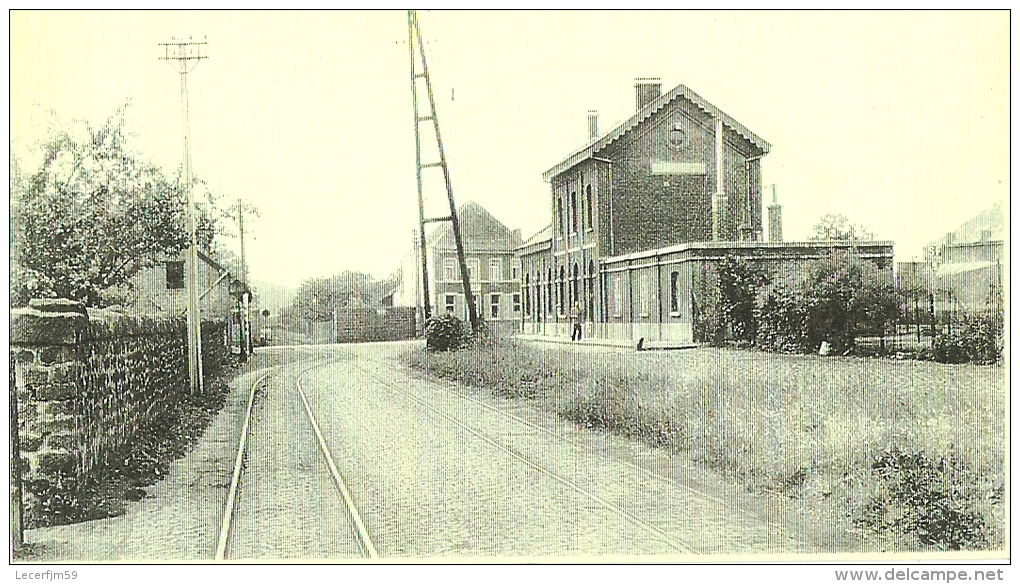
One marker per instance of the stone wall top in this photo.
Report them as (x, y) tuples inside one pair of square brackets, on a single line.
[(55, 321)]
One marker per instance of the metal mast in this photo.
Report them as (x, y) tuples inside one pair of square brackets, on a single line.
[(414, 35), (187, 55)]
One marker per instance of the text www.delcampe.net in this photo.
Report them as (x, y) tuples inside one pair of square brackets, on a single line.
[(919, 574)]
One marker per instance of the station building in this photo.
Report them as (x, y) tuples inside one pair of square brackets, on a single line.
[(640, 215)]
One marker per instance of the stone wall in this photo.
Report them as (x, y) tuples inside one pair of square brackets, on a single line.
[(94, 385)]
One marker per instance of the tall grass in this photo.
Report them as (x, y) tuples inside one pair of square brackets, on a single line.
[(825, 430)]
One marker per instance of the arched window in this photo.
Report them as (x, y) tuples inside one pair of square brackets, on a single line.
[(591, 290), (562, 290), (538, 297), (527, 294), (573, 212), (575, 282), (549, 292), (588, 207)]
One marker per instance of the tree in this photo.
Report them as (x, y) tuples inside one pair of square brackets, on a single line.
[(832, 227), (318, 298), (93, 215)]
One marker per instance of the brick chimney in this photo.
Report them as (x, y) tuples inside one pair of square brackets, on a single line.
[(593, 124), (775, 219), (646, 90)]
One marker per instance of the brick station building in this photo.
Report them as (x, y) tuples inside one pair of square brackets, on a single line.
[(640, 215)]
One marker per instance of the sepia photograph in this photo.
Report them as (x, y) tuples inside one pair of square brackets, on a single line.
[(726, 292)]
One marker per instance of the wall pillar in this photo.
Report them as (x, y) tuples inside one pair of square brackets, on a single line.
[(719, 198), (45, 351)]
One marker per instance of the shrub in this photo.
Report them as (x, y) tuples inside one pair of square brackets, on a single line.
[(445, 332), (844, 297), (782, 322), (925, 497), (972, 339), (739, 283), (707, 313)]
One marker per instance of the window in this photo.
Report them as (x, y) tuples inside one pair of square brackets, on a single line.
[(560, 223), (495, 269), (573, 211), (549, 292), (513, 273), (494, 305), (588, 206), (472, 266), (617, 300), (538, 300), (645, 293), (563, 300), (449, 269), (674, 305), (517, 303), (527, 294), (591, 290), (575, 295), (450, 304), (174, 275)]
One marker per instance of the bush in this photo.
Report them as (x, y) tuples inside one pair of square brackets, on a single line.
[(846, 296), (841, 298), (739, 283), (445, 332), (925, 497), (973, 339), (782, 322)]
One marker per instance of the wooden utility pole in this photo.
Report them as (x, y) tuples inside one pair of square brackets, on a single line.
[(187, 55), (413, 35)]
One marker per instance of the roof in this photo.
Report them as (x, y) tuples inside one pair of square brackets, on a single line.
[(647, 112), (955, 269), (479, 230), (542, 235), (989, 223)]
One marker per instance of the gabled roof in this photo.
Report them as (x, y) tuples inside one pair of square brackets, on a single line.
[(479, 230), (648, 111)]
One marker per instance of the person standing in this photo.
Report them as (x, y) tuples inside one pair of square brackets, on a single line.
[(577, 317)]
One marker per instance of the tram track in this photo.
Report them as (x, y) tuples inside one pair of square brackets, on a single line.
[(513, 448), (228, 522)]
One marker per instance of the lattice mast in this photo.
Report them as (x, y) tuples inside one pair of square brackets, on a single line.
[(413, 37)]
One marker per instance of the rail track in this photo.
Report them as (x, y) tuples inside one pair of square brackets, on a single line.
[(363, 537), (226, 524)]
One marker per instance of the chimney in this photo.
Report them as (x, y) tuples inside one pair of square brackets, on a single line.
[(593, 124), (646, 90), (775, 219)]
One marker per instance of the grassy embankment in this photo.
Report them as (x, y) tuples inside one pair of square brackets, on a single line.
[(909, 453)]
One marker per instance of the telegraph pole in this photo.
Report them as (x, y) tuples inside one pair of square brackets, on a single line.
[(246, 295), (187, 54)]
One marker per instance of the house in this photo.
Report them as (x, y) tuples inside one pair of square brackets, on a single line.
[(492, 269), (962, 271), (641, 214), (160, 289)]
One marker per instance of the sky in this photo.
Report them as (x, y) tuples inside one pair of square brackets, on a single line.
[(898, 120)]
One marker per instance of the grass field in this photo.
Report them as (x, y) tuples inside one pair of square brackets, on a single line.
[(910, 453)]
